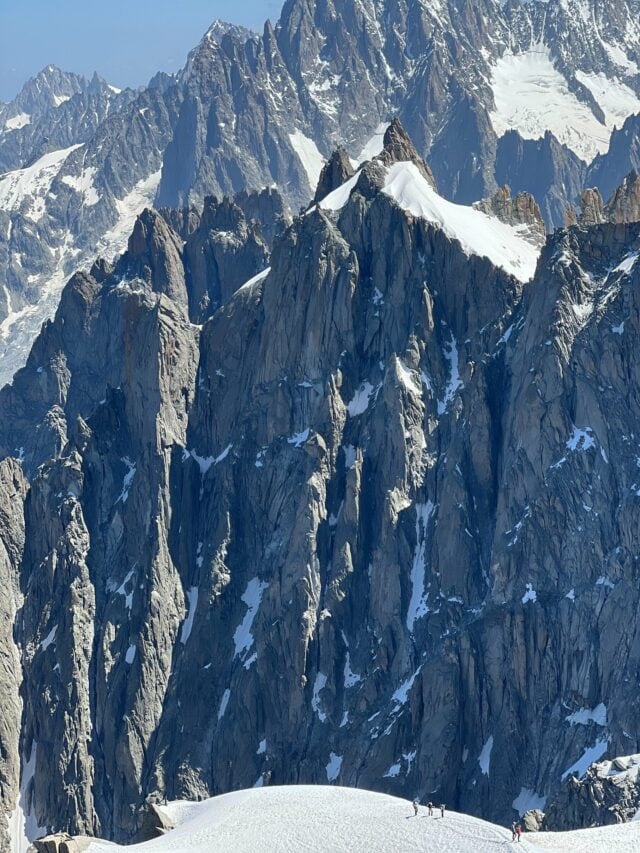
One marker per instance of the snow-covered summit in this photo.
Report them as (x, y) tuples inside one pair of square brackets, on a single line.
[(506, 246), (327, 819)]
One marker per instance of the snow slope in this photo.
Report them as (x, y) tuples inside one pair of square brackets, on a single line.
[(311, 159), (532, 96), (33, 182), (18, 330), (479, 234), (327, 819), (506, 246)]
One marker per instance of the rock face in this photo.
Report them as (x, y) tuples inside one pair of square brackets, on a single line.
[(83, 351), (608, 170), (336, 171), (608, 793), (13, 489), (64, 204), (354, 527), (623, 205), (551, 172), (521, 210)]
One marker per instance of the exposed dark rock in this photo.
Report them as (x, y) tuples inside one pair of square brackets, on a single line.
[(608, 793), (521, 210), (335, 172), (624, 204), (551, 172)]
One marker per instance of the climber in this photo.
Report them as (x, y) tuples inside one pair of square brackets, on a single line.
[(519, 831), (415, 808), (442, 808), (430, 807), (514, 831)]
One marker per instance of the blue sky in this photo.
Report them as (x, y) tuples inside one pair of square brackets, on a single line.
[(126, 41)]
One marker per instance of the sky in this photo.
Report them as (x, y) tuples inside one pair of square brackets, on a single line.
[(126, 41)]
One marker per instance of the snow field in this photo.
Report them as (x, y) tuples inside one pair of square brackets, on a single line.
[(318, 819), (331, 819)]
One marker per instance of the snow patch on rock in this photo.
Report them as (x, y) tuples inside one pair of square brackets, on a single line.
[(311, 159), (243, 638)]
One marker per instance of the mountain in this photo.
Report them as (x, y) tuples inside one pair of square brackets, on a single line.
[(60, 208), (521, 93), (343, 820), (347, 520), (54, 110)]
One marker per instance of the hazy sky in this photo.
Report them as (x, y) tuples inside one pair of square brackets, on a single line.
[(126, 41)]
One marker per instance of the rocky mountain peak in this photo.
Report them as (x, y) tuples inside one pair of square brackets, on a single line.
[(398, 148), (222, 215), (592, 210), (219, 29), (521, 210), (624, 204), (154, 255), (335, 172)]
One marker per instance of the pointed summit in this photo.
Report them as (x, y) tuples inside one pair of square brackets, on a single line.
[(398, 148), (624, 204), (335, 172), (154, 255)]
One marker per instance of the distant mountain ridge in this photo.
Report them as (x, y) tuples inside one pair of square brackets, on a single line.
[(252, 111)]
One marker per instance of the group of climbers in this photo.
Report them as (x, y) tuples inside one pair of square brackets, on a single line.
[(516, 828), (430, 808)]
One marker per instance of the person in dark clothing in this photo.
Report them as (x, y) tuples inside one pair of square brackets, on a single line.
[(430, 807), (442, 808), (514, 831), (415, 808)]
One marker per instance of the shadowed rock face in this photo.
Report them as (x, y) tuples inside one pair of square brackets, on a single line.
[(13, 489), (83, 351), (373, 522), (336, 171), (607, 793)]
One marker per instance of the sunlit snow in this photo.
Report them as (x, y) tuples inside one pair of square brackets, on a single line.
[(532, 96), (479, 234), (83, 184), (34, 180), (332, 819), (17, 121), (360, 401), (311, 159), (374, 146)]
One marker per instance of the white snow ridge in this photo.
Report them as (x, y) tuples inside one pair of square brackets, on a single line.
[(504, 245), (331, 819)]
